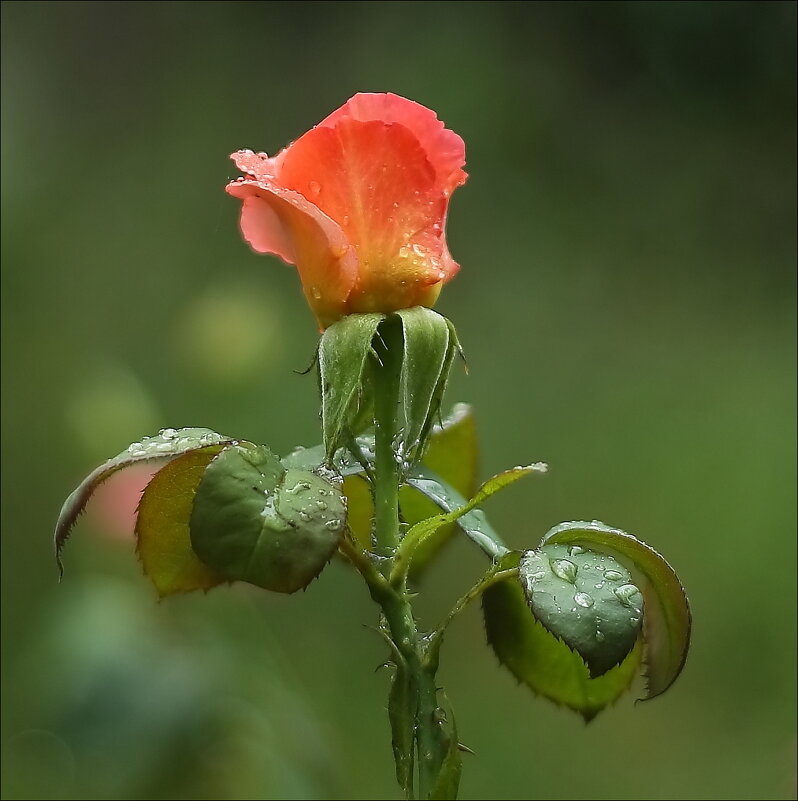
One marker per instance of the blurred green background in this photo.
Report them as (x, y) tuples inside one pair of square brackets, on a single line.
[(627, 303)]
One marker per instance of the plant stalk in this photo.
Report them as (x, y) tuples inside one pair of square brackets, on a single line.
[(421, 712), (387, 469)]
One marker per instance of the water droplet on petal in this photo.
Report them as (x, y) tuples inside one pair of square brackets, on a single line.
[(612, 575)]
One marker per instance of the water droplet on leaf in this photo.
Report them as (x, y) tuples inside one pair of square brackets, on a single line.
[(584, 600), (625, 593), (564, 569)]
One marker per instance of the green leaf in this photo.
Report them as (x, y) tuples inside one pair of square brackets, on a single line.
[(166, 444), (359, 500), (255, 521), (162, 531), (447, 782), (585, 599), (427, 528), (402, 725), (667, 619), (451, 453), (473, 524), (302, 458), (542, 662), (428, 353), (343, 353)]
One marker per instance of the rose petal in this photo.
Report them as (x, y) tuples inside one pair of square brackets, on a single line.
[(280, 221), (375, 181), (258, 165), (444, 148), (264, 230), (359, 205)]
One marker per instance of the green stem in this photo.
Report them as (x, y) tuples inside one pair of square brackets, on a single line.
[(423, 697), (387, 471), (421, 705)]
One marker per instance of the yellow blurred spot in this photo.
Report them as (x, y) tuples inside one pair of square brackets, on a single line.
[(228, 333), (110, 409)]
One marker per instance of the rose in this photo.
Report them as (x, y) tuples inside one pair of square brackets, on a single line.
[(358, 204)]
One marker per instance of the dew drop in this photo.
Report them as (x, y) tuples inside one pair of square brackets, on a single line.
[(575, 550), (625, 593), (304, 517), (164, 447), (538, 574), (316, 293), (332, 525), (134, 448), (321, 505), (168, 433), (612, 575), (584, 600), (564, 569), (600, 635)]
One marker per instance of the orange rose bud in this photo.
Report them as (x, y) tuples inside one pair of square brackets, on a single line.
[(359, 205)]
